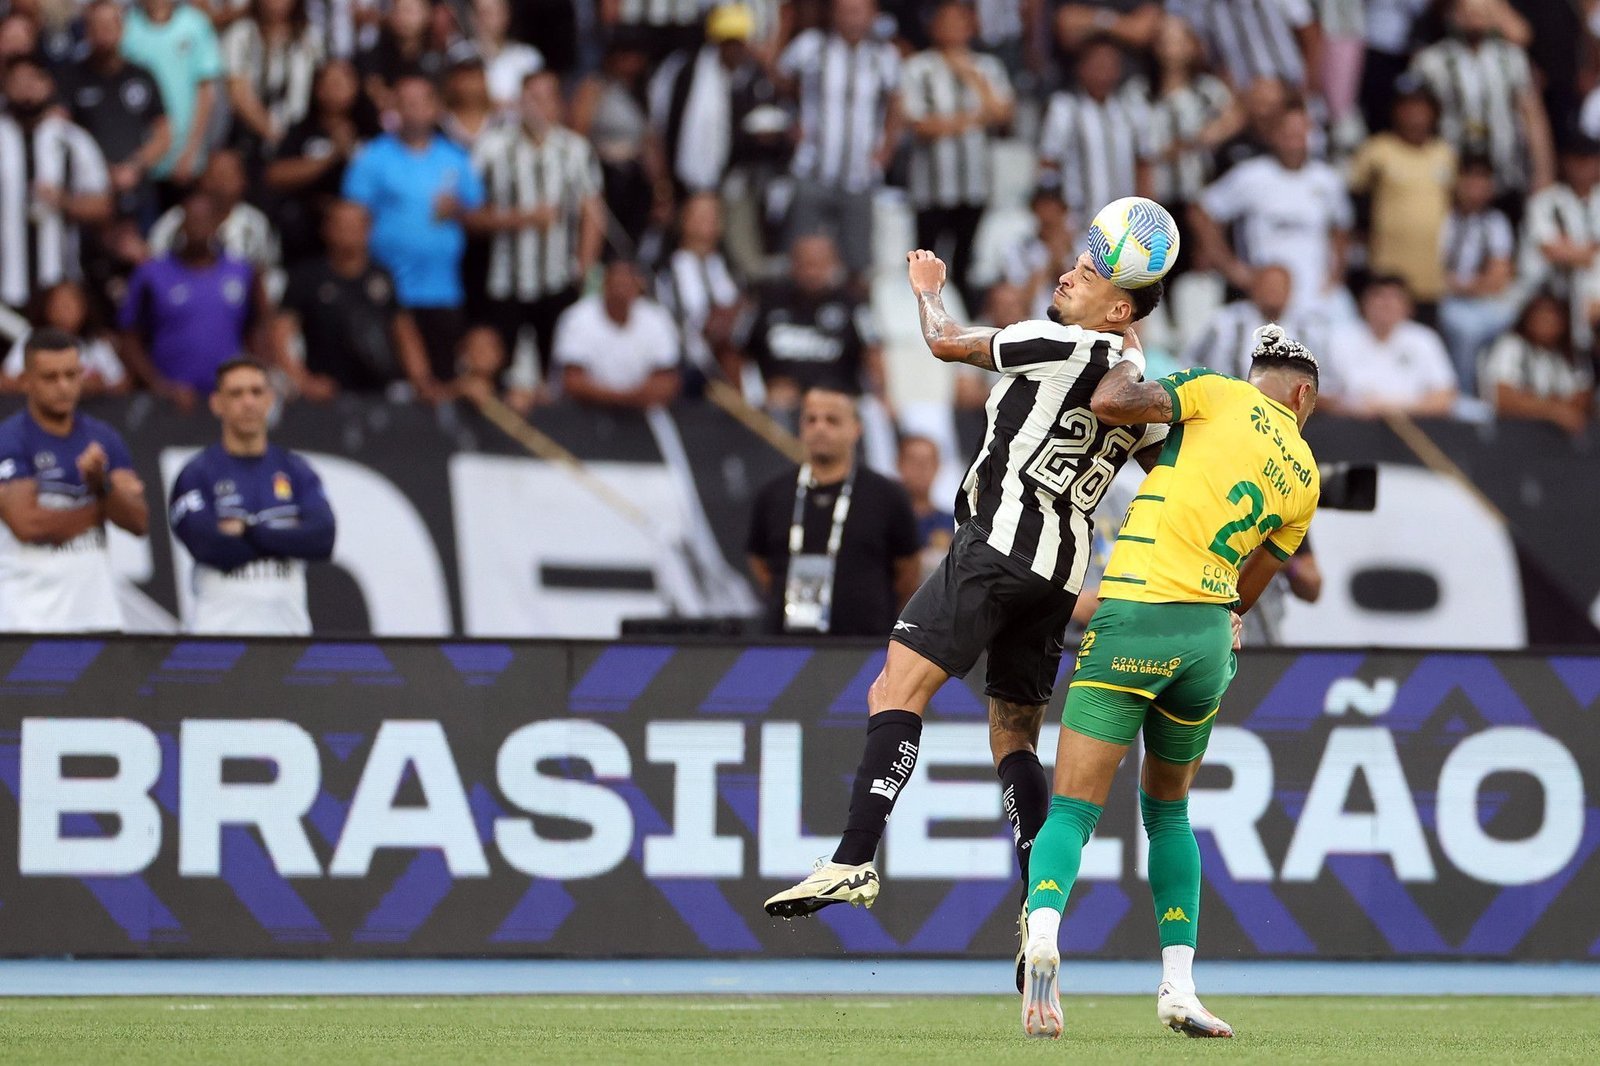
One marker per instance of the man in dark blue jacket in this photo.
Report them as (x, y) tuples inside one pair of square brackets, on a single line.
[(252, 514)]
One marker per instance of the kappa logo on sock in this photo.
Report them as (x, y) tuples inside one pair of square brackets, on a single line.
[(1047, 886), (1174, 914)]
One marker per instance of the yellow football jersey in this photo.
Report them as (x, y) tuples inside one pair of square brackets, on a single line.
[(1234, 474)]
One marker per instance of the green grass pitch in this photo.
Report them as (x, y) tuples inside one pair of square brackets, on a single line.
[(733, 1031)]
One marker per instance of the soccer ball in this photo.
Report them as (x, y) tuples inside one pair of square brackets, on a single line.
[(1133, 242)]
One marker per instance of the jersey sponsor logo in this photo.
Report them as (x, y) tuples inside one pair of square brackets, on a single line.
[(193, 501), (1174, 914), (135, 95), (281, 488), (1157, 667), (889, 786), (1047, 886), (1264, 425)]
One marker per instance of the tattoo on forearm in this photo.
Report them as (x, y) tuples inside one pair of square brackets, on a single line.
[(940, 330), (1138, 401)]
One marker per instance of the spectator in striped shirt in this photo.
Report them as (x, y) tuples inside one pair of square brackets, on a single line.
[(1535, 371), (53, 180), (1477, 248), (953, 99), (271, 58), (1093, 144), (1561, 236), (245, 234), (850, 117), (1490, 100), (1192, 115), (1252, 39), (544, 217), (697, 287)]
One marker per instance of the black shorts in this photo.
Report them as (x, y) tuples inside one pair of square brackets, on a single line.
[(982, 601)]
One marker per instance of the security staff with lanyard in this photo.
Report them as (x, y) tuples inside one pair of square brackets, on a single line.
[(833, 547)]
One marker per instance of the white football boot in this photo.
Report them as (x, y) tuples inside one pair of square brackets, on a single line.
[(830, 882), (1182, 1012), (1041, 993)]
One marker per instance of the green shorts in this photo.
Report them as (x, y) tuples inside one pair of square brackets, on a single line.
[(1159, 666)]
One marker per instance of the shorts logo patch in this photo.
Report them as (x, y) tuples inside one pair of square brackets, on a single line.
[(1085, 648), (1174, 914), (1158, 667)]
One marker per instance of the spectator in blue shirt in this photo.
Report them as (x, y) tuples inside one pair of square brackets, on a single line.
[(418, 186)]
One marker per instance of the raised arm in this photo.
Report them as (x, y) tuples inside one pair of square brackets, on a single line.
[(1121, 399), (947, 339)]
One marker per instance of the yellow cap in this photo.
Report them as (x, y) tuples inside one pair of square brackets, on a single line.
[(730, 22)]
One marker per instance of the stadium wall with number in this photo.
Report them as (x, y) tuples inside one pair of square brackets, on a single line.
[(447, 527), (169, 797)]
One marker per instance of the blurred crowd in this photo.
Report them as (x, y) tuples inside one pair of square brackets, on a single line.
[(615, 202)]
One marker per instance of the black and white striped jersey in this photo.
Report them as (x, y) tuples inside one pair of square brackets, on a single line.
[(953, 170), (1470, 242), (38, 242), (1045, 460), (1176, 119), (559, 172), (660, 13), (1250, 39), (1227, 344), (1093, 146), (281, 73), (1479, 90), (845, 91)]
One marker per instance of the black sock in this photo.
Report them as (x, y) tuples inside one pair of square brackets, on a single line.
[(886, 765), (1025, 799)]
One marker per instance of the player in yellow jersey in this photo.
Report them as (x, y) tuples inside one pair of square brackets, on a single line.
[(1235, 481)]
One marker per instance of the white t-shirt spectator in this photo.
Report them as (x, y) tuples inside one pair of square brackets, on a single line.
[(617, 357), (1516, 361), (1284, 216), (507, 71), (1358, 368)]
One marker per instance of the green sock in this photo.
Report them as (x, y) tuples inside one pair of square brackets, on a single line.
[(1174, 869), (1058, 851)]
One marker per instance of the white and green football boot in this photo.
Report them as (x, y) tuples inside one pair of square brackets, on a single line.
[(830, 882)]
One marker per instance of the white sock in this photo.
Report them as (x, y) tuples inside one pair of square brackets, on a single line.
[(1177, 965), (1044, 922)]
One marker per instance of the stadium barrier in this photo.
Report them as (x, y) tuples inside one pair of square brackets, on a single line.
[(170, 797), (447, 526)]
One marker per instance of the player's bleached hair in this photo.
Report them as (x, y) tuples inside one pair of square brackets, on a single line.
[(1275, 348)]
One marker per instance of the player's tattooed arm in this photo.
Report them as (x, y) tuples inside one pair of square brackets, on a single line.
[(950, 341), (1121, 399)]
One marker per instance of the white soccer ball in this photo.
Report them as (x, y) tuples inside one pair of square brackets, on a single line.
[(1133, 242)]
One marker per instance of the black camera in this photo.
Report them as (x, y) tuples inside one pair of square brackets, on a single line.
[(1349, 486)]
